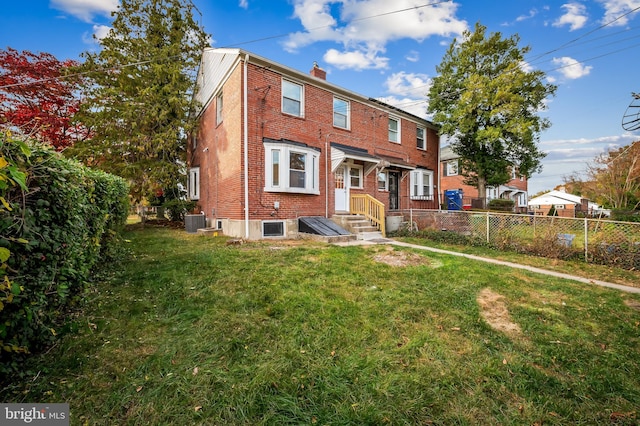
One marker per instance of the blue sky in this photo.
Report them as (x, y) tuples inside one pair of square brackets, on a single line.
[(389, 50)]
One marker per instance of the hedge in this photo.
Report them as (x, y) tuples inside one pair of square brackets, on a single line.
[(56, 227)]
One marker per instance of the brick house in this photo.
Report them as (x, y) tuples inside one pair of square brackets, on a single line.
[(516, 189), (275, 144)]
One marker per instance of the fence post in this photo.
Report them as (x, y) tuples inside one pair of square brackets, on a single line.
[(487, 227), (586, 240), (411, 219)]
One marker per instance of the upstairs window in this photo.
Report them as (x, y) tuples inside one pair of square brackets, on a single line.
[(421, 142), (219, 109), (421, 185), (394, 130), (341, 113), (292, 98), (451, 168)]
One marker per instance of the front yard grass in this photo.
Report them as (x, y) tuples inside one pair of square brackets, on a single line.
[(190, 330)]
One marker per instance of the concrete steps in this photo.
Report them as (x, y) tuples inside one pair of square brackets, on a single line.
[(357, 225)]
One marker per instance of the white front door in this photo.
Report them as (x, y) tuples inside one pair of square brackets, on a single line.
[(342, 190)]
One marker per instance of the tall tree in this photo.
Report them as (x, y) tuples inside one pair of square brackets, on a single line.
[(487, 102), (613, 179), (139, 103), (39, 97)]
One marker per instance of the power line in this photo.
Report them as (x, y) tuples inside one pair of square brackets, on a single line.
[(228, 46)]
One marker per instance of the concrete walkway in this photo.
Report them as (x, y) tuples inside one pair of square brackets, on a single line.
[(499, 262)]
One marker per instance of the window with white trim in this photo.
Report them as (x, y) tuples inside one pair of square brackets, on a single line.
[(421, 142), (291, 168), (355, 176), (219, 109), (394, 129), (194, 183), (452, 168), (421, 182), (341, 109), (383, 181), (292, 98)]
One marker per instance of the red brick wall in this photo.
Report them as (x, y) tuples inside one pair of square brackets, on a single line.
[(221, 168), (456, 182)]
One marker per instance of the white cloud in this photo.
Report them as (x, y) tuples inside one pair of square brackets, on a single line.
[(614, 9), (365, 27), (416, 107), (86, 9), (570, 68), (244, 4), (358, 60), (408, 84), (99, 32), (532, 14), (413, 56), (568, 156), (575, 16)]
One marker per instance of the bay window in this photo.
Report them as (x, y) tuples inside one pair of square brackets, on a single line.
[(291, 168)]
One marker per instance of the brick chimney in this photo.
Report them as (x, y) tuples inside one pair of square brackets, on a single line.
[(318, 72)]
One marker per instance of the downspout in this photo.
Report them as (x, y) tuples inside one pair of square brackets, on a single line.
[(246, 147), (439, 169)]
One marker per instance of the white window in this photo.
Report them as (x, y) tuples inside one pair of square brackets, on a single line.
[(355, 176), (219, 109), (292, 98), (513, 174), (194, 183), (383, 181), (394, 129), (291, 168), (421, 185), (341, 113), (421, 142), (452, 168)]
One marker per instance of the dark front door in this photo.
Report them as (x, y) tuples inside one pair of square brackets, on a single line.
[(394, 183)]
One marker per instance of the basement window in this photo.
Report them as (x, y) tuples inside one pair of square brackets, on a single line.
[(273, 229)]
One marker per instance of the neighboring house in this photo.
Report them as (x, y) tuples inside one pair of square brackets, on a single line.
[(565, 204), (275, 144), (452, 179)]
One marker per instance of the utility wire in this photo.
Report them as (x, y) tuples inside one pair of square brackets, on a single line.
[(228, 46)]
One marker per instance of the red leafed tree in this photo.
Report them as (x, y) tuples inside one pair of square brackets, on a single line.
[(39, 97)]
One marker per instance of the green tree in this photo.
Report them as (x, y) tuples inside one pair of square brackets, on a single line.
[(487, 102), (139, 102)]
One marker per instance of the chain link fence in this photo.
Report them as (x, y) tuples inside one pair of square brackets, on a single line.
[(594, 240)]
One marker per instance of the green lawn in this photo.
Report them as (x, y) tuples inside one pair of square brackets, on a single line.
[(189, 330)]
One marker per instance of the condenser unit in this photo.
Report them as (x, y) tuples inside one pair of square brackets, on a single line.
[(193, 222)]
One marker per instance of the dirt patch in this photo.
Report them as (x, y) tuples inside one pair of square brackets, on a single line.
[(632, 304), (400, 258), (494, 311)]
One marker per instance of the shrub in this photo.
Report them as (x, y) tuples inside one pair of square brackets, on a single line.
[(501, 204), (57, 231), (176, 209), (626, 215)]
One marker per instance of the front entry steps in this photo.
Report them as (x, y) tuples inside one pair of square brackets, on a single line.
[(357, 225)]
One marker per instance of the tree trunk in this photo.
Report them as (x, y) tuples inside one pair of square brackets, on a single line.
[(482, 191)]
